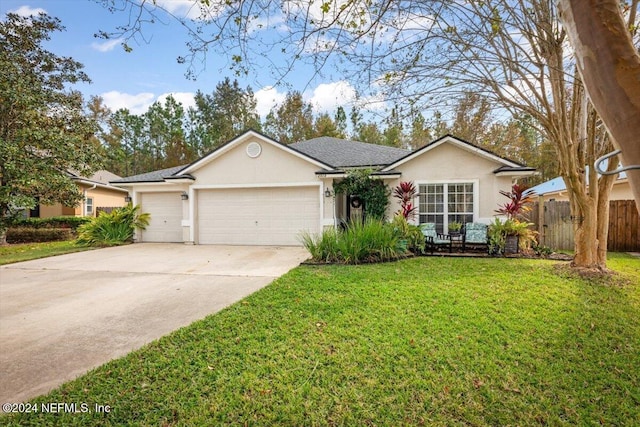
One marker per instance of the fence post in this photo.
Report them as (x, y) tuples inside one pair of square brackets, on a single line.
[(541, 236)]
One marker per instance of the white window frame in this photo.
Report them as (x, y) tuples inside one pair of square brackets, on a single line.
[(88, 206), (445, 184)]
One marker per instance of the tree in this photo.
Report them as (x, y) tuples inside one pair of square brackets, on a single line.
[(612, 79), (325, 126), (472, 117), (44, 132), (420, 134), (221, 116), (369, 132), (165, 140), (393, 133), (127, 133), (291, 121), (340, 120)]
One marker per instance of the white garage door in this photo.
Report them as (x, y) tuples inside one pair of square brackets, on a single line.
[(257, 216), (166, 217)]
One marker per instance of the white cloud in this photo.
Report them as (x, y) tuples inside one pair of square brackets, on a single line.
[(326, 97), (192, 9), (185, 98), (267, 98), (28, 11), (106, 46), (136, 104)]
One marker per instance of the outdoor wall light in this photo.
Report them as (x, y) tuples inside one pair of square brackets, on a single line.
[(184, 196), (127, 199), (327, 193)]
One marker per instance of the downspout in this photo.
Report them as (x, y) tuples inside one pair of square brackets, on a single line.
[(84, 198)]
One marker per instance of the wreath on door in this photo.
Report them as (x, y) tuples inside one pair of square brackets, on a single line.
[(356, 202)]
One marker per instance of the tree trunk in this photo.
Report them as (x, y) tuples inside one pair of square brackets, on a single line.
[(610, 69)]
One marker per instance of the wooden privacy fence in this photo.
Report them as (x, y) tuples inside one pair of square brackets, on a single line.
[(554, 224), (107, 209)]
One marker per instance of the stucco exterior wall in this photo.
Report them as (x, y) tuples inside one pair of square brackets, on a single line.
[(273, 165), (103, 197), (448, 163)]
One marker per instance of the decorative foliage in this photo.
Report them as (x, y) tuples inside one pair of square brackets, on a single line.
[(115, 228), (373, 192), (520, 197), (499, 231), (406, 192), (411, 234), (455, 226), (361, 242)]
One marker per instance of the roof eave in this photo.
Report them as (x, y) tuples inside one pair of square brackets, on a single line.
[(506, 171), (97, 184), (462, 144)]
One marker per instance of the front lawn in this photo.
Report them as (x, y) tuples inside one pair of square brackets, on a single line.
[(28, 251), (423, 341)]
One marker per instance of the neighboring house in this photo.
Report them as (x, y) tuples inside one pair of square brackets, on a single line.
[(97, 193), (556, 189), (254, 190)]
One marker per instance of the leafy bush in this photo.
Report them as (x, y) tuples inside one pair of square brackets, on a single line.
[(373, 191), (499, 230), (72, 222), (409, 233), (115, 228), (37, 235), (406, 192), (368, 241), (520, 198)]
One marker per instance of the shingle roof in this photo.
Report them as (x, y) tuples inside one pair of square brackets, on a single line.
[(154, 176), (342, 153)]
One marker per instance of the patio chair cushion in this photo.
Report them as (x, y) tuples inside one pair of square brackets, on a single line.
[(475, 232), (433, 238)]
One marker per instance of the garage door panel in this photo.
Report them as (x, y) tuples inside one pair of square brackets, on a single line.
[(258, 216), (165, 224)]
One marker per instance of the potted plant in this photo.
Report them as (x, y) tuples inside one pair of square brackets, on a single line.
[(455, 228), (515, 232)]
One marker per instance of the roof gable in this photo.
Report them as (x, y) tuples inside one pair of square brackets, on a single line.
[(250, 134), (467, 146)]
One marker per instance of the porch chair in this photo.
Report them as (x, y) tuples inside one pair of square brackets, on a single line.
[(475, 234), (434, 239)]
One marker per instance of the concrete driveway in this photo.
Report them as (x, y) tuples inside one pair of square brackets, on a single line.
[(64, 315)]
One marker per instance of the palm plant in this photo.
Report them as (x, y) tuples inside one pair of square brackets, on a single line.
[(114, 228)]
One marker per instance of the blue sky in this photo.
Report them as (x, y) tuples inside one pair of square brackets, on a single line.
[(137, 79)]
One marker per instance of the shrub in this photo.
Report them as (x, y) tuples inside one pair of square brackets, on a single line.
[(409, 233), (373, 191), (368, 241), (405, 192), (72, 222), (37, 235), (499, 230), (114, 228)]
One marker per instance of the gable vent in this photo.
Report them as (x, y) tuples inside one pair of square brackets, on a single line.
[(253, 150)]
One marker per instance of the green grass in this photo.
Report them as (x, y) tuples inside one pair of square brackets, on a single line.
[(28, 251), (424, 341)]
